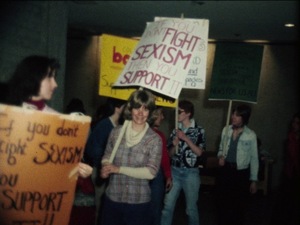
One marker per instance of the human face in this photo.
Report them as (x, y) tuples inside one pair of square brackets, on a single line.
[(236, 120), (140, 115), (47, 87), (160, 117), (182, 115)]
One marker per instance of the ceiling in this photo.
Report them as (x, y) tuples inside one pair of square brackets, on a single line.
[(228, 20)]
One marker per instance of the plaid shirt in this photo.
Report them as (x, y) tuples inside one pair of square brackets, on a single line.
[(147, 153)]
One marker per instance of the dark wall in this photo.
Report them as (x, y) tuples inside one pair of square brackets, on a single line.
[(278, 97), (33, 27)]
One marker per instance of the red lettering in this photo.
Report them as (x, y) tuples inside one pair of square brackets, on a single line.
[(127, 77), (145, 77), (117, 57), (125, 59)]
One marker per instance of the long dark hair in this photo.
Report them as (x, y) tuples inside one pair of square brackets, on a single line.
[(26, 80)]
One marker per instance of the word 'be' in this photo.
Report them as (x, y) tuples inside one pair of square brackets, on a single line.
[(118, 57)]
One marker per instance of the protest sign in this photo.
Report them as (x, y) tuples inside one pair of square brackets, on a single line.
[(114, 54), (163, 57), (236, 72), (196, 76), (39, 154)]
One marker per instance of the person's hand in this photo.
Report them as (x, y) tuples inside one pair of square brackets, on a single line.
[(107, 169), (84, 170), (169, 184), (181, 135), (253, 187), (175, 141), (222, 161)]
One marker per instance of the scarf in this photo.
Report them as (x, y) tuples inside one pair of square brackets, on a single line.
[(134, 137), (39, 105)]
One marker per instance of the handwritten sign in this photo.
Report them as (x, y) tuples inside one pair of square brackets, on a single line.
[(236, 72), (38, 154), (163, 57), (196, 76), (115, 52)]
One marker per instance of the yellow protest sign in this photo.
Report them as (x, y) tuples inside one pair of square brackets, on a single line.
[(114, 53), (39, 153)]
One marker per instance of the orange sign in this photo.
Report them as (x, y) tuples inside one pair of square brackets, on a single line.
[(39, 153)]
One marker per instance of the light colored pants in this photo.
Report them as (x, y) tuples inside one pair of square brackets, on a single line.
[(187, 179)]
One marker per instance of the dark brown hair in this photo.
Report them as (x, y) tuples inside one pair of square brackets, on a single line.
[(26, 80)]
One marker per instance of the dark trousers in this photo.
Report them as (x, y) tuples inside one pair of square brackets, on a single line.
[(116, 213), (82, 215), (157, 186), (232, 194)]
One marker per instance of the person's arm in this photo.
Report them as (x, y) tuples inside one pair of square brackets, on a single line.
[(221, 146), (165, 163), (98, 141), (165, 160), (105, 170), (198, 147), (140, 173), (254, 164), (147, 172), (84, 170), (109, 146), (173, 141)]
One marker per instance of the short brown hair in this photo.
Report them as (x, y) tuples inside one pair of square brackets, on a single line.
[(187, 106), (136, 100)]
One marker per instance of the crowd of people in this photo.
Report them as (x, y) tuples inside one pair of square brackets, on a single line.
[(135, 170)]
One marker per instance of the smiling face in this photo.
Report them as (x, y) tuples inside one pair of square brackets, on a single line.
[(140, 115), (47, 87)]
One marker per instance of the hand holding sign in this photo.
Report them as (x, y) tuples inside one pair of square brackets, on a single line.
[(38, 151)]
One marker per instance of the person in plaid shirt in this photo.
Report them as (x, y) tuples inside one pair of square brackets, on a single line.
[(137, 160)]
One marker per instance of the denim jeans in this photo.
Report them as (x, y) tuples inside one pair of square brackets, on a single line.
[(187, 179)]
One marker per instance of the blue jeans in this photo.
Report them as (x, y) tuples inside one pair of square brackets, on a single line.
[(187, 179), (157, 186)]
